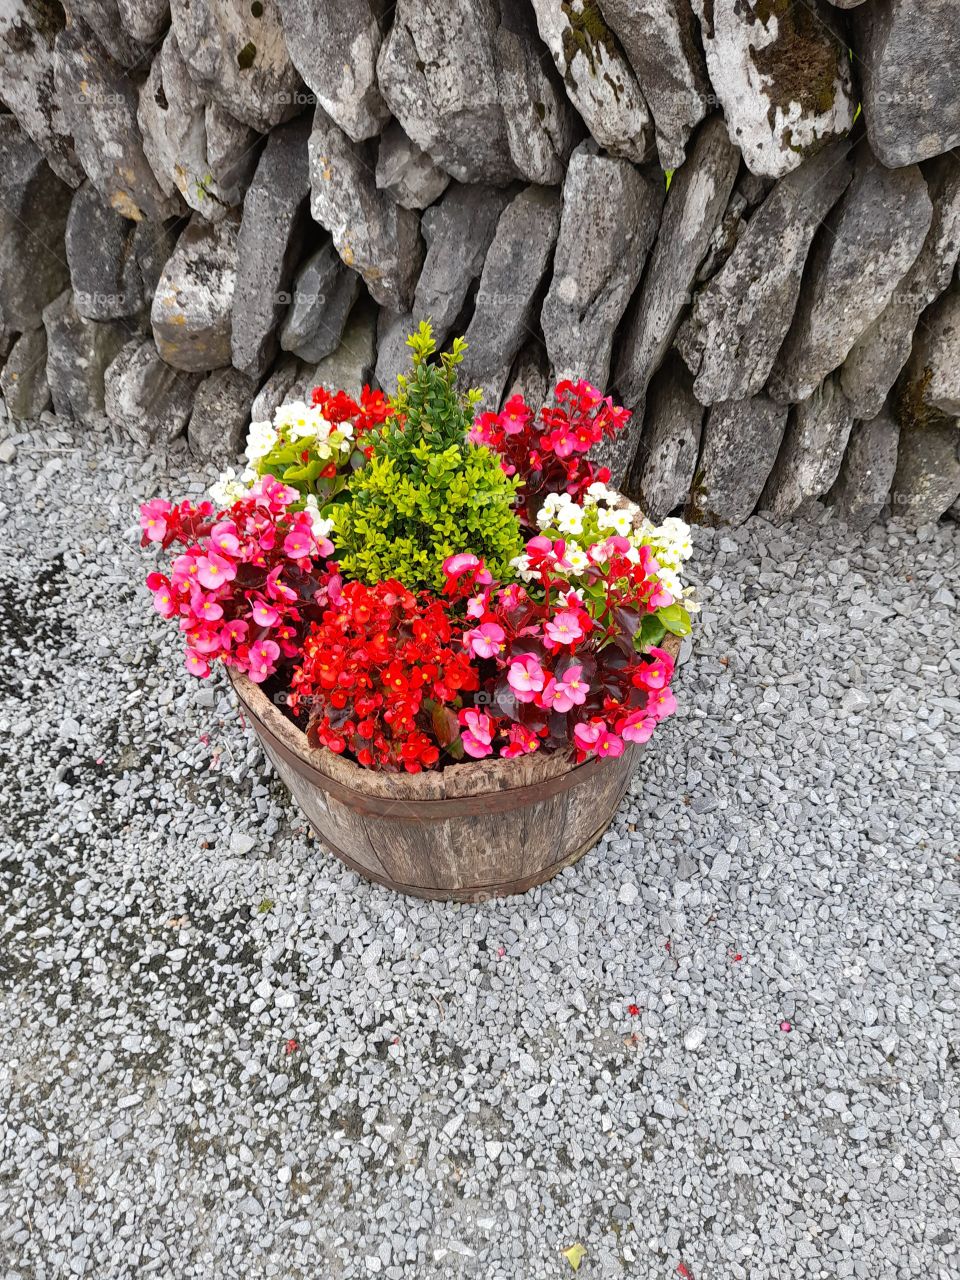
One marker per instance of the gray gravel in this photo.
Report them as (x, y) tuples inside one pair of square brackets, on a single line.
[(469, 1093)]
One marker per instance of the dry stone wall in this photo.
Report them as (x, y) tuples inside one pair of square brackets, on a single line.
[(742, 217)]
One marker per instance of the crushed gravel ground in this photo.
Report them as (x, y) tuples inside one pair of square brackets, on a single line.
[(725, 1044)]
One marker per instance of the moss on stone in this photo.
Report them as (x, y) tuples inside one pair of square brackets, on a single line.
[(802, 63), (586, 32)]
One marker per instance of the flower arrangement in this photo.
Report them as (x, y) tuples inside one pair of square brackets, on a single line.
[(419, 585)]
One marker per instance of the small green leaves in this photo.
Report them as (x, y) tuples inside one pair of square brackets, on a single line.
[(652, 630), (676, 619), (266, 905)]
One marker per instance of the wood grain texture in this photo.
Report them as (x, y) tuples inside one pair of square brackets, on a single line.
[(465, 833)]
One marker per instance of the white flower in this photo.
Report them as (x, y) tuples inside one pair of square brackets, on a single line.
[(619, 521), (577, 561), (522, 565), (598, 492), (321, 527), (670, 582), (260, 440), (228, 489), (570, 518)]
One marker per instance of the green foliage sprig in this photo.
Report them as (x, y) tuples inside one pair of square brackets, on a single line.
[(426, 493)]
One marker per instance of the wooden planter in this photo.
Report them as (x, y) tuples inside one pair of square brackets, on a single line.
[(471, 831)]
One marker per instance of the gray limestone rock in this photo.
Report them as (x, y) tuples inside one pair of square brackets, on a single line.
[(598, 78), (23, 380), (740, 318), (926, 483), (811, 453), (437, 72), (144, 20), (195, 148), (868, 244), (866, 475), (659, 38), (930, 387), (782, 76), (33, 212), (218, 424), (541, 125), (530, 376), (275, 389), (104, 270), (667, 457), (908, 54), (513, 273), (104, 19), (878, 356), (393, 354), (275, 217), (324, 293), (28, 31), (99, 102), (236, 53), (458, 231), (372, 234), (407, 173), (78, 353), (335, 49), (351, 366), (192, 309), (609, 217), (145, 397), (698, 195), (741, 440), (153, 244)]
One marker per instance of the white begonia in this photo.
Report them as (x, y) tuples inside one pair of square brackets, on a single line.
[(620, 522), (229, 488), (598, 492), (670, 582), (570, 518), (522, 565), (577, 560), (321, 527), (260, 440)]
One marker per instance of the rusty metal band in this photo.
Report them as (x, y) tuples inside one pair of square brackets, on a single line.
[(405, 810), (465, 893)]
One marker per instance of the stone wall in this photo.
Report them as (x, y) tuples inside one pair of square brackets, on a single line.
[(740, 216)]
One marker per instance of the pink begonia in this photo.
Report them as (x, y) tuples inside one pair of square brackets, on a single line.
[(153, 518), (570, 691), (525, 677), (661, 704), (234, 632), (455, 566), (564, 628), (263, 656), (224, 537), (213, 571), (264, 615), (522, 742), (485, 641), (163, 601), (608, 744), (638, 726), (656, 674), (298, 544), (478, 734), (205, 607), (196, 665), (586, 736)]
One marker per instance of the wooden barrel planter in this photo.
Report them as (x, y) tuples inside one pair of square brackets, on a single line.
[(484, 829)]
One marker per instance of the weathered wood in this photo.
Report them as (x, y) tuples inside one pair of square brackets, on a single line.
[(465, 833)]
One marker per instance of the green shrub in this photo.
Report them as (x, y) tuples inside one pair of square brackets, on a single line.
[(427, 493)]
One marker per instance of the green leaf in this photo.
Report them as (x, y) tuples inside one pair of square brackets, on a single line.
[(266, 905), (676, 619), (652, 630)]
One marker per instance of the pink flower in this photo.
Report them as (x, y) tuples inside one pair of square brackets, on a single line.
[(204, 640), (278, 590), (478, 734), (153, 519), (163, 600), (264, 614), (522, 742), (224, 538), (586, 736), (213, 571), (570, 691), (608, 744), (455, 566), (656, 674), (273, 494), (564, 628), (196, 664), (636, 727), (185, 568), (513, 596), (263, 655), (525, 677), (659, 597), (298, 544), (661, 704), (485, 641), (205, 607), (232, 633)]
